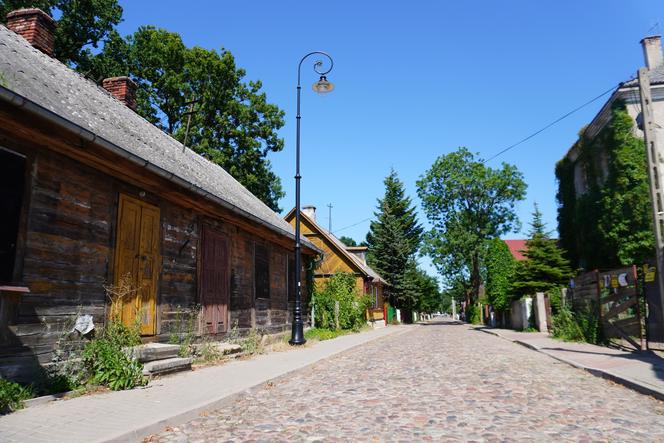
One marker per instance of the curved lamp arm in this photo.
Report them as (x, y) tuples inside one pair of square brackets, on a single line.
[(317, 64)]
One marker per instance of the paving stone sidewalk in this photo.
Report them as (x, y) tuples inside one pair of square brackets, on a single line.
[(641, 371), (439, 382), (130, 415)]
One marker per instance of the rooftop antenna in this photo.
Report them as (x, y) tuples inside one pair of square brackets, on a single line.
[(653, 28)]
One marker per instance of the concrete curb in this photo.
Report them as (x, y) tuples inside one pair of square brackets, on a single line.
[(602, 373), (140, 433)]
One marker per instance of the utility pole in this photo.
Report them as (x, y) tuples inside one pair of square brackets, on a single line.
[(189, 113), (329, 225), (655, 153)]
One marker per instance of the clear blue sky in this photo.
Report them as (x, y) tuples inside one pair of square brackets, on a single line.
[(415, 80)]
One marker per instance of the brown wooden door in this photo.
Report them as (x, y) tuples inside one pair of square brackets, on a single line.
[(137, 256), (215, 287)]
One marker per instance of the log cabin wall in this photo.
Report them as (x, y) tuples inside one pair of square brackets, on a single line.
[(69, 235)]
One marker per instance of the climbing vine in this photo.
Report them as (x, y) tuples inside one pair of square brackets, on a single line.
[(610, 224)]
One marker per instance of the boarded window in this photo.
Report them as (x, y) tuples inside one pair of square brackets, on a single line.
[(12, 179), (291, 279), (262, 271)]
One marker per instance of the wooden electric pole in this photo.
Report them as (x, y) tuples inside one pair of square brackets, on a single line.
[(655, 154)]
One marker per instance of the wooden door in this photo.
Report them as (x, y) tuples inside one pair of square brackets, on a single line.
[(215, 284), (137, 263)]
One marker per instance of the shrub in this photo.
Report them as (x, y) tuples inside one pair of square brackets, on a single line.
[(474, 314), (184, 329), (340, 288), (252, 343), (565, 327), (105, 358), (110, 366), (581, 324), (12, 395)]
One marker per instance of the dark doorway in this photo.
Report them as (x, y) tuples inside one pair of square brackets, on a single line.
[(214, 285), (12, 187)]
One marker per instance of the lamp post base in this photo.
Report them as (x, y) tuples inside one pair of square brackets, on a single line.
[(297, 334)]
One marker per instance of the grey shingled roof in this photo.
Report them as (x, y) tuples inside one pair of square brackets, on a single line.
[(656, 77), (52, 85)]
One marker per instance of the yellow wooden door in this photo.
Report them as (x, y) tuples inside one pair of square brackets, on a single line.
[(137, 263)]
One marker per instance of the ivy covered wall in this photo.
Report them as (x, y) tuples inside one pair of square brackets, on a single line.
[(604, 215)]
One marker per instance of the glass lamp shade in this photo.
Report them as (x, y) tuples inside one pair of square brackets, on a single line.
[(323, 86)]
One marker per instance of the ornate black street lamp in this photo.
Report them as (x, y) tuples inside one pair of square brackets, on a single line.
[(322, 86)]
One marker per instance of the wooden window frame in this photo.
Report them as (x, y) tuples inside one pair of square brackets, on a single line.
[(260, 292), (22, 231)]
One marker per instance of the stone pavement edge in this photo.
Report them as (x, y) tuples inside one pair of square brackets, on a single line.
[(640, 371), (131, 415)]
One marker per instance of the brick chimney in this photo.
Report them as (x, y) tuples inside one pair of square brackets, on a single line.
[(122, 88), (34, 25), (309, 211), (652, 51)]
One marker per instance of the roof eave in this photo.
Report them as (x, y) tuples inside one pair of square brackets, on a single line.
[(19, 101)]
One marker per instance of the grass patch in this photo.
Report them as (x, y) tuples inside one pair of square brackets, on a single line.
[(324, 334), (12, 396)]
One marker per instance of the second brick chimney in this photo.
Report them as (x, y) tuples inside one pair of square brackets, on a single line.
[(34, 25), (122, 88), (652, 51)]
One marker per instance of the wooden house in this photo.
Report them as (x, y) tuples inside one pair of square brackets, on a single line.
[(337, 257), (91, 193)]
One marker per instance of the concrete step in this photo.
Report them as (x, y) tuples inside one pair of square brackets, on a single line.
[(229, 348), (166, 366), (153, 351)]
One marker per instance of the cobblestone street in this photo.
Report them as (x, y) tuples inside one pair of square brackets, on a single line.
[(432, 383)]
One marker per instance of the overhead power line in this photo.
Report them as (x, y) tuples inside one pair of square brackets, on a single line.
[(354, 224), (523, 140), (559, 119)]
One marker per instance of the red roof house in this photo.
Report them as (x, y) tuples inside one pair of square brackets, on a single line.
[(517, 247)]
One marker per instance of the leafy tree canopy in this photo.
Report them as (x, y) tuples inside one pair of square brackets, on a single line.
[(467, 203), (545, 267), (82, 24), (233, 124), (348, 241)]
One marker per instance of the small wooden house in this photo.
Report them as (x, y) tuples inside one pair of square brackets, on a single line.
[(92, 193), (337, 257)]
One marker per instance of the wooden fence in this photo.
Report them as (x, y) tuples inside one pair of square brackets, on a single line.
[(615, 298)]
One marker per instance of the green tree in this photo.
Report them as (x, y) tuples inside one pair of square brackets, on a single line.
[(467, 203), (545, 267), (430, 297), (82, 24), (500, 267), (233, 124), (348, 241), (393, 238)]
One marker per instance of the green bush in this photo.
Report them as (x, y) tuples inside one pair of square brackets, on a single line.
[(474, 314), (107, 362), (12, 395), (352, 307), (581, 324), (565, 326)]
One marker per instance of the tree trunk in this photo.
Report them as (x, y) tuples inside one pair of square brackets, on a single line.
[(475, 280)]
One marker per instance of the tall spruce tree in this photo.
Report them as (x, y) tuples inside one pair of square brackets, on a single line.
[(394, 238), (545, 268)]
